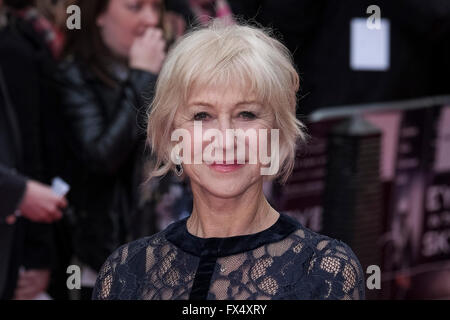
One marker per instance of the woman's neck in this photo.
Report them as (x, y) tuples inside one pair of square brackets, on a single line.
[(217, 217)]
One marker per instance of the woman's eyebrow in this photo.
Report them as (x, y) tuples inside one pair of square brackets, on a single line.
[(250, 102), (210, 105), (200, 104)]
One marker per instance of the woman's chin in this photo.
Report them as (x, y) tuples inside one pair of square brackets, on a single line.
[(227, 185)]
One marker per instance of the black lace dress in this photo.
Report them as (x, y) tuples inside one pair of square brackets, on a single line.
[(285, 261)]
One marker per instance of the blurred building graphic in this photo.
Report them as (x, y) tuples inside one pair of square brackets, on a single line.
[(377, 176)]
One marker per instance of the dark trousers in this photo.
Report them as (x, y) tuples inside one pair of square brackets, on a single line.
[(14, 263)]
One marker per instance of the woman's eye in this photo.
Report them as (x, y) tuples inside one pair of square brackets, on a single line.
[(247, 115), (201, 116), (136, 6)]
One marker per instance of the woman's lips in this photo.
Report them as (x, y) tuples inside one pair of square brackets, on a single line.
[(223, 167)]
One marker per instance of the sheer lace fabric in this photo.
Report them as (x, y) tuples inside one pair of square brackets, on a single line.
[(302, 265)]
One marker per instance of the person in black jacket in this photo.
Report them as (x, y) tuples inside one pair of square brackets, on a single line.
[(24, 200), (107, 81)]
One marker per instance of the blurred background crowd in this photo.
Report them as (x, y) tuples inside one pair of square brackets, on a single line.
[(73, 105)]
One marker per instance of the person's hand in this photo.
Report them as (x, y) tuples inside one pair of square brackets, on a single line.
[(147, 52), (31, 283), (41, 204)]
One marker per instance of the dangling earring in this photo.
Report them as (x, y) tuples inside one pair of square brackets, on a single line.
[(178, 167), (179, 170)]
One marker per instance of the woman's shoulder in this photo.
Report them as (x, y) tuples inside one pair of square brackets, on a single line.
[(130, 251), (123, 264), (332, 264), (319, 244), (74, 70)]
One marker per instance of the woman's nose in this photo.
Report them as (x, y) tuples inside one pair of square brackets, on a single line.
[(226, 127), (149, 17), (225, 123)]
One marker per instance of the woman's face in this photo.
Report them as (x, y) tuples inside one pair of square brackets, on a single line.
[(219, 109), (125, 20)]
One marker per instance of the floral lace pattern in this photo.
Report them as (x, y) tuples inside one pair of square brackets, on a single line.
[(303, 265)]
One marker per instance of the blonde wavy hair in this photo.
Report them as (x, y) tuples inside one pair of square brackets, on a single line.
[(224, 54)]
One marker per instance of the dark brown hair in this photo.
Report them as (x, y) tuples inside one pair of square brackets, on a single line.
[(86, 44)]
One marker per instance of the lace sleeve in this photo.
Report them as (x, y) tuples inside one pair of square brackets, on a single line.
[(336, 272), (103, 289)]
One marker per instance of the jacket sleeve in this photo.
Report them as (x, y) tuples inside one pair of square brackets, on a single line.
[(102, 144), (39, 247), (12, 189)]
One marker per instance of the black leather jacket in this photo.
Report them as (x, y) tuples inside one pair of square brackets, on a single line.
[(106, 137)]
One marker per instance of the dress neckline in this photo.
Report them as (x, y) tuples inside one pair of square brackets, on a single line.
[(177, 234)]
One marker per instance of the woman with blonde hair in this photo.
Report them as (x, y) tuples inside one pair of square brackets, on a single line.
[(229, 93)]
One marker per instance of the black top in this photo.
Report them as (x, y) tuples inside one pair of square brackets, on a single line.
[(27, 138), (285, 261)]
